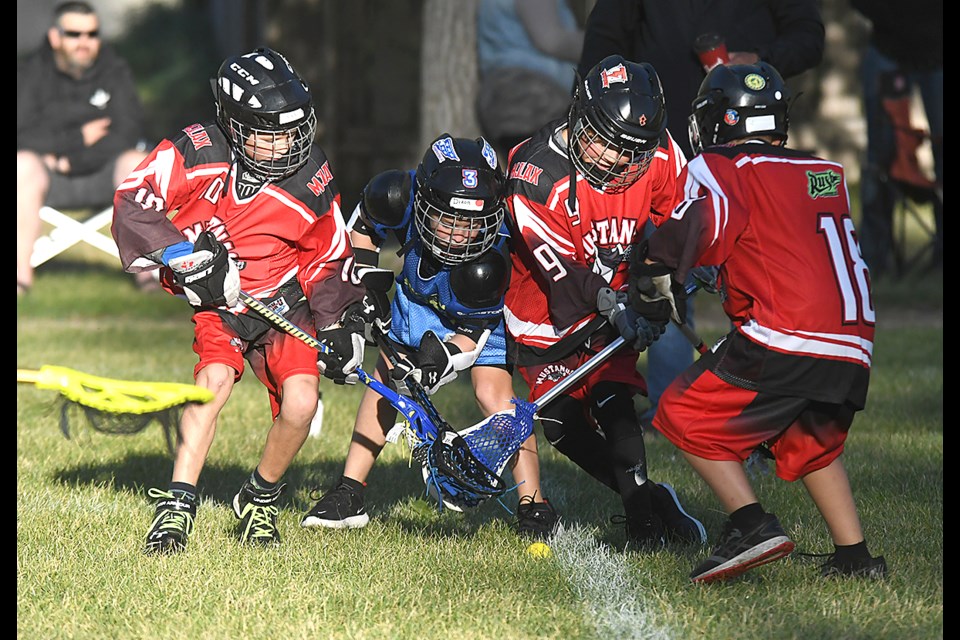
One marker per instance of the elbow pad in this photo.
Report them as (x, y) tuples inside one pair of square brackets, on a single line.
[(387, 201)]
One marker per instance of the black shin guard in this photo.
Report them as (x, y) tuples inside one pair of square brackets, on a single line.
[(566, 427), (611, 404)]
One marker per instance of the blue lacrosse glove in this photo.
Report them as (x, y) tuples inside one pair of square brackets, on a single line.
[(639, 332)]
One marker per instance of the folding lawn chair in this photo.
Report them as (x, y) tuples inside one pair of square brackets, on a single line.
[(68, 231)]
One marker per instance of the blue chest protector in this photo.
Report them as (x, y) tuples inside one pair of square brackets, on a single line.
[(426, 297), (424, 282)]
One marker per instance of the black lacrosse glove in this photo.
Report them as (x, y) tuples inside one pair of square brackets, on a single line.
[(432, 366), (638, 331), (209, 276), (653, 294), (345, 341), (376, 300), (706, 278)]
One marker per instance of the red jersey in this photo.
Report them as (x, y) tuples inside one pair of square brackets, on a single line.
[(777, 222), (562, 255), (276, 231)]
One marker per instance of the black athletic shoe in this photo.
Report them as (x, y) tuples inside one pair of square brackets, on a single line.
[(172, 522), (679, 525), (871, 568), (739, 551), (536, 519), (645, 534), (340, 508), (257, 511)]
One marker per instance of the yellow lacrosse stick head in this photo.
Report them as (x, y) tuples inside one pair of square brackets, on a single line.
[(111, 395)]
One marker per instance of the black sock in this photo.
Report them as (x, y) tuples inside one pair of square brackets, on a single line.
[(258, 481), (354, 485), (184, 490), (852, 551), (747, 517)]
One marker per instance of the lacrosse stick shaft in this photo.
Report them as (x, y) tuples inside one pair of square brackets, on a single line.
[(685, 329), (602, 356), (692, 336), (419, 393), (577, 375), (399, 402)]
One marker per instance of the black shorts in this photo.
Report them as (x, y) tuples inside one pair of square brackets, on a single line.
[(78, 192)]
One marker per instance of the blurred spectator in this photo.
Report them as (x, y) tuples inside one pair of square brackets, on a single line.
[(527, 52), (908, 44), (78, 127), (789, 34)]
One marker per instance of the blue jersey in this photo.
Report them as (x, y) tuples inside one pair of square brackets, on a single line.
[(426, 301), (426, 295)]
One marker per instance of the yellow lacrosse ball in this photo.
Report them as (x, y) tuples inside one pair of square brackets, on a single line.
[(539, 550)]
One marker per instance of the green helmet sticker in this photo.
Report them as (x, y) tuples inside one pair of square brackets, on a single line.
[(754, 82)]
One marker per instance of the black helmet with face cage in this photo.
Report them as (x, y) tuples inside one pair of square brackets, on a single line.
[(739, 101), (261, 99), (617, 118), (458, 205)]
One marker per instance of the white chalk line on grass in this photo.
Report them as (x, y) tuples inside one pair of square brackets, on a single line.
[(613, 599)]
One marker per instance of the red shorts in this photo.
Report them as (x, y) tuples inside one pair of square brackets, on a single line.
[(707, 417), (621, 367), (273, 358)]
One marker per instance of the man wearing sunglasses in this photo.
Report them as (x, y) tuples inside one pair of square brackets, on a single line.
[(79, 121)]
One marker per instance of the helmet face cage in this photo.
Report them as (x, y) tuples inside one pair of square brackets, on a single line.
[(616, 121), (606, 165), (266, 111), (268, 154), (455, 236), (739, 101), (458, 205)]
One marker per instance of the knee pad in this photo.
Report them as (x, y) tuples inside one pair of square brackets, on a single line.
[(559, 417), (611, 405)]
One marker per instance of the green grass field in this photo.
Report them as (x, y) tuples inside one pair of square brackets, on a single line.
[(83, 512)]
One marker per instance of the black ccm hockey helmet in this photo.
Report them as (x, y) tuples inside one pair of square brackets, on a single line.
[(458, 206), (266, 111), (616, 120), (739, 101)]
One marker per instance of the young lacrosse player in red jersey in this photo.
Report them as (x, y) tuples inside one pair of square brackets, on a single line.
[(247, 202), (580, 191), (795, 368)]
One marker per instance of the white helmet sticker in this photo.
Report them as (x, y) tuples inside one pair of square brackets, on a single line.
[(466, 204), (754, 124)]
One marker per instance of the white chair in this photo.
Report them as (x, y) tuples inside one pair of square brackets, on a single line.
[(68, 231)]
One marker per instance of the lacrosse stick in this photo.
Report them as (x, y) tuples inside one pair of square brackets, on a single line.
[(469, 473), (486, 438), (119, 407), (496, 438), (442, 465)]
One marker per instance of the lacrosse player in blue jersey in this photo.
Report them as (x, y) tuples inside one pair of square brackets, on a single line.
[(446, 315)]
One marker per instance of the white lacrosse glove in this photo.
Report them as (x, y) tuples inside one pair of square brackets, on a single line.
[(209, 276), (435, 363)]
